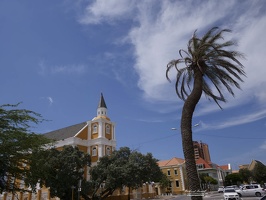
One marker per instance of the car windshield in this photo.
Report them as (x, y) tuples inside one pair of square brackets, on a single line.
[(229, 190)]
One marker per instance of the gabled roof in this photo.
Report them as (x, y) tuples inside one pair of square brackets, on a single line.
[(171, 162), (66, 132), (202, 161), (253, 164)]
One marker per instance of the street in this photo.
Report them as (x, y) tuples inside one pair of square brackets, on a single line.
[(209, 196)]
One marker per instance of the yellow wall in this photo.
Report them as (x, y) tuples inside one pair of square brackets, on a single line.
[(108, 135), (94, 135), (83, 134), (173, 177)]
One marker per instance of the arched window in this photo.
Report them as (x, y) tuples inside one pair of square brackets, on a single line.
[(108, 151), (108, 129), (94, 151), (95, 128)]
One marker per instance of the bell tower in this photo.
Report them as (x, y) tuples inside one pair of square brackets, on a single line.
[(101, 133)]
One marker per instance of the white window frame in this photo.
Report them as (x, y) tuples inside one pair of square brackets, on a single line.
[(94, 151), (95, 128)]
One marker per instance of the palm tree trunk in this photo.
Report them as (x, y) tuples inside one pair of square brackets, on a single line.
[(186, 131), (128, 195)]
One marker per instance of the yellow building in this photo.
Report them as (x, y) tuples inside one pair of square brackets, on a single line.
[(175, 171), (95, 137)]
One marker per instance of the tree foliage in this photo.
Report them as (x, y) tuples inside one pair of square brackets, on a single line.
[(259, 173), (207, 66), (207, 180), (17, 143), (124, 168), (60, 170), (233, 179), (245, 175)]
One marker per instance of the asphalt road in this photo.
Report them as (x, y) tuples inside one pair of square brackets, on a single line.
[(209, 196)]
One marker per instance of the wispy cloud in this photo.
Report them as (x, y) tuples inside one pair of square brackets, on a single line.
[(49, 99), (263, 146), (255, 153), (63, 69), (166, 28), (73, 69), (233, 121), (102, 10), (161, 28)]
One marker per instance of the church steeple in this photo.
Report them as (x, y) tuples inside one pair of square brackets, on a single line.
[(102, 108), (102, 102)]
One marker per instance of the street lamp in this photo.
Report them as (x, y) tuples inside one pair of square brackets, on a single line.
[(195, 125)]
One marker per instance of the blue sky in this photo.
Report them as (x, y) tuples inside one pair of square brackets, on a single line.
[(58, 56)]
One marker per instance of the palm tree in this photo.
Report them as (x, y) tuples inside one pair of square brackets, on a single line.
[(208, 62)]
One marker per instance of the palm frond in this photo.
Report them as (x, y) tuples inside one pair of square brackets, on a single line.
[(210, 55)]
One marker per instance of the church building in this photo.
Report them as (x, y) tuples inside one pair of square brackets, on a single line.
[(95, 137)]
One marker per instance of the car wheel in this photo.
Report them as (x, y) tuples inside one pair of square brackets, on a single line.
[(240, 195), (258, 194)]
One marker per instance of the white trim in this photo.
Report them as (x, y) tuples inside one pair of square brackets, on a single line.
[(81, 130)]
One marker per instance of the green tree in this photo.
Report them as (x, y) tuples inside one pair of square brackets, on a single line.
[(245, 175), (233, 179), (17, 142), (207, 180), (164, 182), (207, 62), (60, 170), (259, 173), (124, 168)]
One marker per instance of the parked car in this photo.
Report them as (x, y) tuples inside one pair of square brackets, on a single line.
[(230, 193), (232, 186), (251, 190), (221, 189)]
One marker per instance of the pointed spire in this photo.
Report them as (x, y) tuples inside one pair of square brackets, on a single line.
[(102, 102)]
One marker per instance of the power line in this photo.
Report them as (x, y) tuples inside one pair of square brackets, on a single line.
[(220, 136), (234, 137)]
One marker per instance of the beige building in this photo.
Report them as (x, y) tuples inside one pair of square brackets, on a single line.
[(175, 171)]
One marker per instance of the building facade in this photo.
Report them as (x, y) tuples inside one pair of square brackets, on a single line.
[(95, 137), (174, 169), (201, 150)]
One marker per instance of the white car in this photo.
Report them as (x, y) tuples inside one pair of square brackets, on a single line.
[(221, 189), (230, 194), (251, 190)]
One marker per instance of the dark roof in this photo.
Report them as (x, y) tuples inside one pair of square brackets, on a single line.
[(66, 132), (102, 103)]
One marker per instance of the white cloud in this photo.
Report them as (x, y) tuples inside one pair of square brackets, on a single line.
[(76, 69), (256, 154), (51, 101), (64, 69), (263, 146), (102, 10), (157, 40), (164, 27), (233, 121)]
